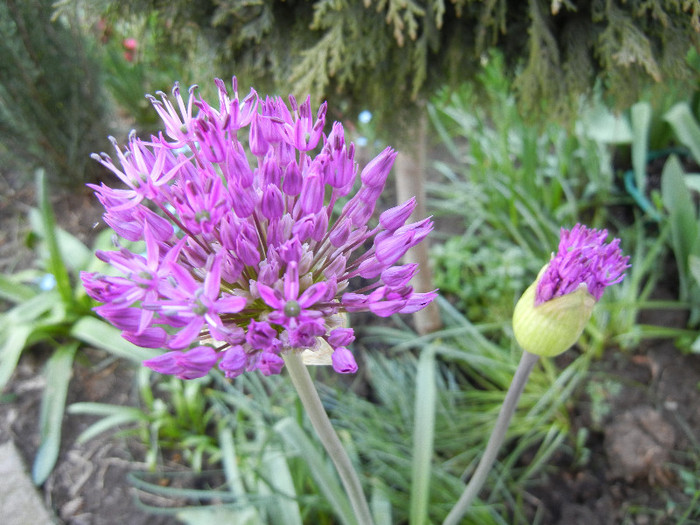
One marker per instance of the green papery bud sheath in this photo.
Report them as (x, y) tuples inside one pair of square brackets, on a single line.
[(554, 326)]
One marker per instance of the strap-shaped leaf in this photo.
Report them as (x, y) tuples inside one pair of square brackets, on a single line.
[(55, 264), (12, 348), (423, 434), (14, 291), (325, 479), (102, 335), (58, 374)]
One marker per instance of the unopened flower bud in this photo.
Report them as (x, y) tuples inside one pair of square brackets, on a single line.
[(552, 327), (552, 313)]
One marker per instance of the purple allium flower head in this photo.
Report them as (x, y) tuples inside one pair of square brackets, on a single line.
[(583, 258), (249, 254)]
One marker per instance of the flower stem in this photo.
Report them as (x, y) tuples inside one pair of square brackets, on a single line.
[(471, 491), (324, 429)]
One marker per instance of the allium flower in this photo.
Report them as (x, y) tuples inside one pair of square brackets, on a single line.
[(249, 251), (582, 258), (552, 313)]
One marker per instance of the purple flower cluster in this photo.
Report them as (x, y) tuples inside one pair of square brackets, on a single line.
[(583, 257), (248, 250)]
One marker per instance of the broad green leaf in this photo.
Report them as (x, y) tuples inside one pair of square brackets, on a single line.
[(15, 342), (102, 335), (681, 119), (59, 369), (640, 115), (682, 215), (14, 291), (327, 483), (423, 434)]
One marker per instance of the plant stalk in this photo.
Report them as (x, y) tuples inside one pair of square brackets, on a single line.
[(471, 491), (324, 429)]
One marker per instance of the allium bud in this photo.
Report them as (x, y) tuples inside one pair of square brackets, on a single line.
[(552, 327), (552, 313)]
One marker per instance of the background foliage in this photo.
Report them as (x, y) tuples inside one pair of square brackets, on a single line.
[(52, 107), (388, 54)]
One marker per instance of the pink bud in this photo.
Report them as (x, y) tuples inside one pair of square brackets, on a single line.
[(343, 361), (272, 205), (395, 217), (376, 171), (311, 198), (398, 276)]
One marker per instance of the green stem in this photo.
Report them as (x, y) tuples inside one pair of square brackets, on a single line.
[(471, 491), (324, 429)]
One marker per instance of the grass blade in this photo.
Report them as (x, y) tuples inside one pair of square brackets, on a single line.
[(381, 506), (423, 434), (55, 264), (284, 508), (641, 118), (114, 415), (325, 479)]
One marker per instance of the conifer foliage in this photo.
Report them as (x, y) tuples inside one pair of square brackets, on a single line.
[(51, 111), (385, 53)]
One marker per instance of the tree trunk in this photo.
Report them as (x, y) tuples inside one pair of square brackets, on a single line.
[(410, 176)]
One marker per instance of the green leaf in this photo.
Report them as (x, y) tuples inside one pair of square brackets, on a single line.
[(327, 483), (14, 291), (423, 434), (695, 347), (218, 514), (640, 115), (692, 180), (285, 508), (32, 309), (694, 267), (601, 125), (682, 215), (229, 459), (58, 374), (55, 266), (114, 415), (103, 335), (381, 506), (681, 119), (12, 348), (74, 254)]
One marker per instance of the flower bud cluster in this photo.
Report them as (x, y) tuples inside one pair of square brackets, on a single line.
[(248, 250)]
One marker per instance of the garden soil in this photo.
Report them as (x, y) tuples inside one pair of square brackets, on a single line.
[(637, 419)]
